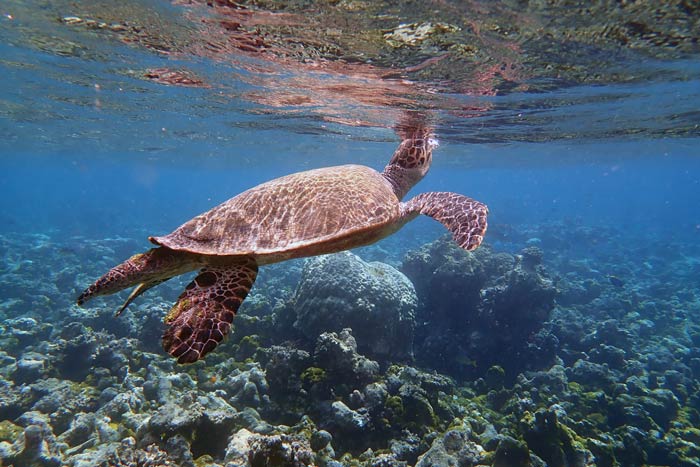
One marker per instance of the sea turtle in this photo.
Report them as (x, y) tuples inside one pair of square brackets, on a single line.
[(304, 214)]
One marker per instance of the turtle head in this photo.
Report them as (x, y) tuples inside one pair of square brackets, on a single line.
[(411, 161)]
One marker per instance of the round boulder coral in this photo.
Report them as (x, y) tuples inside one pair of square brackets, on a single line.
[(377, 301)]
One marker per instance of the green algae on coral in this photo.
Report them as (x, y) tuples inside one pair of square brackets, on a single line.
[(395, 405), (248, 345), (313, 375), (554, 442), (9, 431)]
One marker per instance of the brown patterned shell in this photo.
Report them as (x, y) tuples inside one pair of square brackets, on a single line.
[(295, 215)]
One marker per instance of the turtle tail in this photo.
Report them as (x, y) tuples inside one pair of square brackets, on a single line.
[(144, 269)]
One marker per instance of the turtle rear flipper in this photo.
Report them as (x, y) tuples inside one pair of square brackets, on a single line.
[(463, 216), (143, 270), (204, 312)]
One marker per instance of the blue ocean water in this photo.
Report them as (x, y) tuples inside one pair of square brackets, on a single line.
[(601, 178)]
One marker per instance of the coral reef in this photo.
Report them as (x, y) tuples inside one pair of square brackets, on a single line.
[(35, 446), (519, 360), (373, 299), (454, 448), (487, 308)]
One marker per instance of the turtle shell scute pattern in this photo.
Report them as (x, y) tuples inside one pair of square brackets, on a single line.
[(291, 212)]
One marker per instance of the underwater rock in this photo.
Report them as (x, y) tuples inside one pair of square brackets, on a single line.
[(385, 460), (30, 367), (453, 449), (489, 437), (654, 409), (417, 398), (147, 326), (554, 442), (75, 350), (626, 410), (284, 366), (375, 395), (610, 332), (678, 447), (173, 418), (631, 449), (7, 363), (87, 430), (523, 295), (531, 257), (9, 433), (250, 419), (620, 386), (495, 377), (373, 299), (244, 387), (663, 406), (511, 453), (320, 439), (113, 357), (36, 446), (406, 448), (126, 454), (661, 358), (603, 450), (673, 379), (279, 451), (571, 328), (237, 449), (347, 420), (356, 399), (24, 331), (77, 353), (13, 400), (592, 374), (610, 355), (29, 450), (431, 382), (337, 355), (487, 308), (573, 291), (416, 406), (437, 267), (61, 400), (179, 450), (205, 420), (123, 407), (163, 384), (102, 320)]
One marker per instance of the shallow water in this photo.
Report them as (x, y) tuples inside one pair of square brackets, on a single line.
[(122, 121)]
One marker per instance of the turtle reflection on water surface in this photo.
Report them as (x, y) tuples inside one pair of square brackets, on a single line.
[(304, 214)]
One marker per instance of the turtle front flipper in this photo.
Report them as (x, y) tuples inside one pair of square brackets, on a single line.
[(463, 216), (204, 312)]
